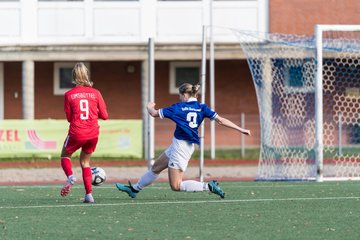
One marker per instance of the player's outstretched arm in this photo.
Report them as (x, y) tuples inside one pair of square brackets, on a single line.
[(151, 109), (227, 123)]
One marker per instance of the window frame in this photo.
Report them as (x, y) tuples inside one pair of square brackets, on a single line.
[(172, 78), (288, 87)]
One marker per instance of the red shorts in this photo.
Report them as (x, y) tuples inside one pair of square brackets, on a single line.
[(88, 146)]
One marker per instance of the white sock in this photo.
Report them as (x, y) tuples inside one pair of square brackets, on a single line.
[(71, 179), (193, 186), (148, 178)]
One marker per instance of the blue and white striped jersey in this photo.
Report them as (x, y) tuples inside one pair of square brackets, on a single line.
[(188, 116)]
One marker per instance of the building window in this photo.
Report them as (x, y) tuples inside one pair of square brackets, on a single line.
[(294, 76), (63, 77), (297, 75), (183, 72)]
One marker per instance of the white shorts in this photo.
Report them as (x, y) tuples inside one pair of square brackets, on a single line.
[(179, 154)]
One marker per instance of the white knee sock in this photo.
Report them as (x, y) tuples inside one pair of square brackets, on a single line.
[(148, 178), (193, 186)]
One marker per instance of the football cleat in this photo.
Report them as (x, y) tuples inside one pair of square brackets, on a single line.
[(66, 188), (214, 188), (89, 198), (127, 189)]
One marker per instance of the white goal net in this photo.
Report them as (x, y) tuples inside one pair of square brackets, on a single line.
[(309, 129)]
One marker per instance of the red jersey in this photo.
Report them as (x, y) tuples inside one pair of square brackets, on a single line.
[(83, 106)]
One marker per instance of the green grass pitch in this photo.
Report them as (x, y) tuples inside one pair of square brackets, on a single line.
[(251, 210)]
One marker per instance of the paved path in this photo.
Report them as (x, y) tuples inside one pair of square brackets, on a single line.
[(122, 173)]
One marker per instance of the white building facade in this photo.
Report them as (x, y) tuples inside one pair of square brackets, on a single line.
[(51, 22)]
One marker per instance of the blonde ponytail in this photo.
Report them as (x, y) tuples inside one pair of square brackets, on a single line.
[(80, 75)]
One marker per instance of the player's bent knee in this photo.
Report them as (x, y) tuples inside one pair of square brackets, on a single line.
[(175, 187)]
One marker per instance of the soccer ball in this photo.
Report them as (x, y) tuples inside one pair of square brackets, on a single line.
[(98, 176)]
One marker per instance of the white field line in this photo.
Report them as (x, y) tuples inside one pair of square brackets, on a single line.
[(108, 186), (185, 202)]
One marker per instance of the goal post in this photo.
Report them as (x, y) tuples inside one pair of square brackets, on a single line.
[(349, 56), (308, 92)]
